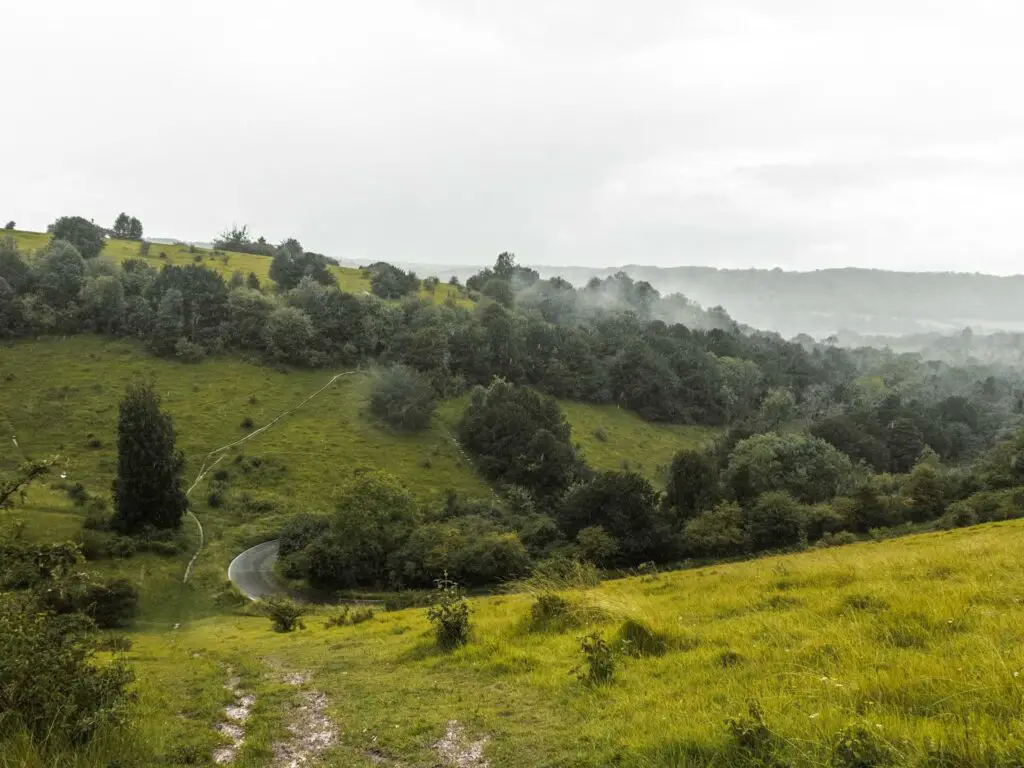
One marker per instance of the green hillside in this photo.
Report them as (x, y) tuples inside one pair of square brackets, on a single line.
[(909, 650), (349, 279), (59, 396)]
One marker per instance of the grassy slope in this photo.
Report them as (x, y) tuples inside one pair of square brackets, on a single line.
[(630, 442), (918, 638), (350, 279), (63, 391), (58, 395)]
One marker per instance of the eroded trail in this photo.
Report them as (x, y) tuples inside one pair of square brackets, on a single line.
[(311, 731), (236, 715)]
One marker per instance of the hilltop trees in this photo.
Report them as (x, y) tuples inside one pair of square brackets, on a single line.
[(147, 490), (390, 282), (291, 264), (87, 238), (127, 227)]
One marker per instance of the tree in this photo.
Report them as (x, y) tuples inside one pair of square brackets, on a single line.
[(169, 325), (87, 238), (403, 398), (390, 282), (61, 274), (373, 520), (147, 490), (779, 406), (122, 224), (626, 506), (905, 443), (291, 264), (234, 238), (104, 303), (693, 485), (134, 229), (807, 467), (288, 334), (519, 437), (26, 473), (10, 225), (775, 520)]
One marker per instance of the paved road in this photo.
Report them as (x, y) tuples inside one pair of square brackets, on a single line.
[(253, 571)]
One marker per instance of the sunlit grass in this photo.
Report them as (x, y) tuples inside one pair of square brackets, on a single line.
[(917, 640)]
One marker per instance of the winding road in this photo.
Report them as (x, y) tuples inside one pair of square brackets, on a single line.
[(252, 572)]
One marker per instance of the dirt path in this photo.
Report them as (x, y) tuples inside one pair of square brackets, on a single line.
[(312, 732), (233, 726)]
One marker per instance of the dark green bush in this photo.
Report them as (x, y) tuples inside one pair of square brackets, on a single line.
[(402, 398), (284, 613), (49, 683)]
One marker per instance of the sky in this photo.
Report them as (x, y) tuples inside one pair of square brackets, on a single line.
[(799, 134)]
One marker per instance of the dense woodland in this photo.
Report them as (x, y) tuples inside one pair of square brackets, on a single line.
[(820, 444)]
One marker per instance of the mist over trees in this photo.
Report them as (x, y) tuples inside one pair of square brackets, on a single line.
[(817, 442)]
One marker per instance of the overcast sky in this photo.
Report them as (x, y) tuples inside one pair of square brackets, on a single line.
[(791, 133)]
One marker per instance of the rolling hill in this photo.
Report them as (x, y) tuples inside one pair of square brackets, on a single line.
[(818, 658)]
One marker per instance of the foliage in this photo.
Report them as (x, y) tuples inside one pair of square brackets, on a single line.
[(403, 398), (693, 484), (599, 660), (291, 264), (87, 238), (775, 520), (26, 473), (449, 614), (357, 546), (390, 282), (807, 467), (50, 682), (519, 437), (127, 227), (718, 532), (147, 490), (627, 508), (284, 613)]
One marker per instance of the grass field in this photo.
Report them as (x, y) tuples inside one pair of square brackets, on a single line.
[(612, 438), (350, 279), (904, 652), (58, 396)]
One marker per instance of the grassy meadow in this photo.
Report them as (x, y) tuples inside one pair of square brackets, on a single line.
[(61, 396), (350, 279), (903, 652)]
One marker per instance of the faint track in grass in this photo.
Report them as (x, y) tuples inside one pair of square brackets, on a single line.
[(209, 462)]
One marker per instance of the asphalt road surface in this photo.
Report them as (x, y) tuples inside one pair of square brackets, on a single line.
[(253, 571)]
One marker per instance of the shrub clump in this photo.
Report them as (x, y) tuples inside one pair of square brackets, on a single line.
[(284, 613), (403, 398), (48, 682), (450, 615), (599, 660), (348, 617)]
